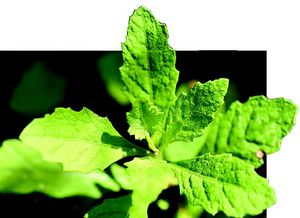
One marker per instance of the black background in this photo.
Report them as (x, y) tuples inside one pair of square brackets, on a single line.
[(246, 69)]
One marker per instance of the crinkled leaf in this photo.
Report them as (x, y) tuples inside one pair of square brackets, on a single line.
[(38, 92), (249, 128), (81, 141), (112, 208), (224, 183), (149, 62), (108, 66), (184, 150), (23, 170), (147, 178), (148, 71), (194, 111), (145, 120)]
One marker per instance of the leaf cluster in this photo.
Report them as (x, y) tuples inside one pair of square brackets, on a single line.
[(209, 152)]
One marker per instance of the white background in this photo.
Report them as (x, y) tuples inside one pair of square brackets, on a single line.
[(193, 25)]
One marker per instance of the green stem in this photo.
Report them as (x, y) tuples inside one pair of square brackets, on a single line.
[(151, 144)]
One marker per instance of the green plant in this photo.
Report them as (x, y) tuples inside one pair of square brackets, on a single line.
[(193, 142)]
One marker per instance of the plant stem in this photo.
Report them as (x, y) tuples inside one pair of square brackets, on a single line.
[(151, 144)]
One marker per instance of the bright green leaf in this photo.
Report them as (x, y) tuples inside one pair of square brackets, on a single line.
[(189, 211), (38, 91), (224, 183), (194, 111), (108, 66), (112, 208), (247, 129), (146, 120), (179, 150), (149, 62), (81, 141), (147, 178), (148, 71), (184, 150), (163, 204), (23, 171)]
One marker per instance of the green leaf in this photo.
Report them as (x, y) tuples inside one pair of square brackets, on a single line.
[(194, 111), (247, 129), (184, 150), (23, 170), (224, 183), (148, 71), (163, 204), (108, 66), (39, 91), (112, 208), (185, 87), (145, 120), (81, 141), (147, 178), (179, 150), (189, 211)]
